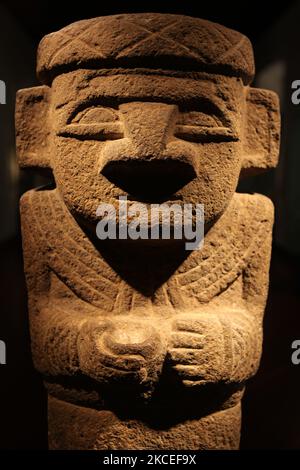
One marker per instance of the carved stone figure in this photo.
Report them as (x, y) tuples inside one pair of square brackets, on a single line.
[(143, 344)]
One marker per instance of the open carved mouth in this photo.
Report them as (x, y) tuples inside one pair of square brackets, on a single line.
[(155, 180)]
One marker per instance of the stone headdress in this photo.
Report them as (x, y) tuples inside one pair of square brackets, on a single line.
[(148, 41)]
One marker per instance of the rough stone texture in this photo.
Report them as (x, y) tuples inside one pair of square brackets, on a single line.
[(145, 345), (150, 40)]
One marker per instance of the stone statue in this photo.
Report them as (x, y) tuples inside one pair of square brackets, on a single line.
[(143, 344)]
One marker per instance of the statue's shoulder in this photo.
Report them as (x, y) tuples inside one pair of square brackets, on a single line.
[(36, 207), (252, 218), (36, 196), (253, 210)]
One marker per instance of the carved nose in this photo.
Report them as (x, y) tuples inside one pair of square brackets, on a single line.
[(149, 164), (148, 126), (154, 179)]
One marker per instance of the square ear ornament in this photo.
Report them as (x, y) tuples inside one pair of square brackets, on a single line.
[(32, 127), (261, 131)]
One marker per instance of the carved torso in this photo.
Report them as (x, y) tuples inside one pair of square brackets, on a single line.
[(208, 295)]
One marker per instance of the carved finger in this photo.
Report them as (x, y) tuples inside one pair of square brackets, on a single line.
[(188, 340), (185, 356)]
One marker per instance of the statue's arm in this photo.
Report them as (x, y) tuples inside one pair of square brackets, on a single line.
[(224, 344), (35, 267), (33, 241)]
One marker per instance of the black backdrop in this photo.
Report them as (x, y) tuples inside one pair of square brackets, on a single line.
[(271, 409)]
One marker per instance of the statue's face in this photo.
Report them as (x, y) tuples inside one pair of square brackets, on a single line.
[(152, 138)]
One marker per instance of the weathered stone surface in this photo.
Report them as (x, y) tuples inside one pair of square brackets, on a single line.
[(146, 345)]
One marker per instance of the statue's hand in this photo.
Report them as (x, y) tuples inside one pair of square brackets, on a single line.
[(120, 349), (196, 349)]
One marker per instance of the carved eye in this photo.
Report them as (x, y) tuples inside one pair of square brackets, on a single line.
[(95, 115), (94, 123), (197, 118), (199, 126)]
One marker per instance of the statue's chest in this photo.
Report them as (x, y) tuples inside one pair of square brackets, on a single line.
[(169, 299)]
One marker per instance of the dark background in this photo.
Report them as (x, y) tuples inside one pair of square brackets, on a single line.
[(271, 407)]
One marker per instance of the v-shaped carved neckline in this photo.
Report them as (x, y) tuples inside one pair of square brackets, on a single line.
[(205, 273)]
